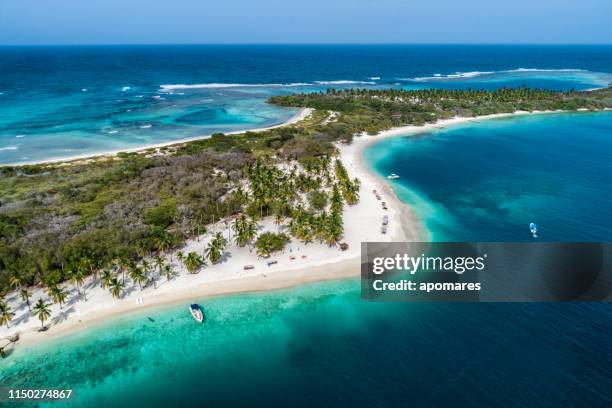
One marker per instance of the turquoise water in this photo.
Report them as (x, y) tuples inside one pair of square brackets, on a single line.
[(58, 102), (320, 344), (487, 181)]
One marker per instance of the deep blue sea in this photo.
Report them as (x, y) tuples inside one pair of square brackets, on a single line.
[(488, 181), (58, 102), (319, 344)]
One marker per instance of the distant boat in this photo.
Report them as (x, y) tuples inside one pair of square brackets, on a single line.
[(533, 229), (393, 176), (196, 312)]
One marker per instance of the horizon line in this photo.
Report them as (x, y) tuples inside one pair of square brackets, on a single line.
[(303, 44)]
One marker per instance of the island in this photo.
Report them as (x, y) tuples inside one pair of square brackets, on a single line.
[(85, 238)]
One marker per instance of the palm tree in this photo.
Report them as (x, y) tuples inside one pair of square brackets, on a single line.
[(168, 272), (77, 277), (244, 230), (238, 226), (5, 314), (15, 281), (193, 261), (250, 230), (58, 294), (145, 267), (159, 262), (105, 278), (180, 256), (278, 219), (25, 296), (215, 248), (138, 276), (116, 287), (117, 267), (41, 309), (163, 242)]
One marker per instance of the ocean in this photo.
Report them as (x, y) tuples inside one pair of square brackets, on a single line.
[(319, 344), (60, 102), (488, 181)]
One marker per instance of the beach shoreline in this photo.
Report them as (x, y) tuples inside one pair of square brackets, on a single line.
[(317, 262), (311, 263), (298, 117)]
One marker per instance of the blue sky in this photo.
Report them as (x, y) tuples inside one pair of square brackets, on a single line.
[(306, 21)]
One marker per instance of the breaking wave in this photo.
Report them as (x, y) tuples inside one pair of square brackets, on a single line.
[(172, 87), (472, 74)]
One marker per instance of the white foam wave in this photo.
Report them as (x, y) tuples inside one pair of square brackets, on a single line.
[(472, 74), (9, 148), (374, 78), (19, 136), (126, 88), (172, 87), (146, 126), (545, 70), (344, 82), (450, 76)]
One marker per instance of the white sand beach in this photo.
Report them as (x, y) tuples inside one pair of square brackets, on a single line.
[(312, 262), (85, 158)]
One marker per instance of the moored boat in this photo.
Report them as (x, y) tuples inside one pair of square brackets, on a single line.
[(196, 312)]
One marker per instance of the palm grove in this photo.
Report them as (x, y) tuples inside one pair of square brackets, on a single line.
[(116, 219)]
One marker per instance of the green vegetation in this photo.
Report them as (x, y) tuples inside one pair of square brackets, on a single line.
[(193, 262), (41, 310), (109, 217), (215, 249), (375, 110), (269, 242), (244, 230), (6, 315)]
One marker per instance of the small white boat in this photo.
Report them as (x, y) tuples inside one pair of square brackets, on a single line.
[(533, 228), (196, 312), (393, 176)]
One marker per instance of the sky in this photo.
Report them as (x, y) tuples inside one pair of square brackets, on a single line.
[(306, 21)]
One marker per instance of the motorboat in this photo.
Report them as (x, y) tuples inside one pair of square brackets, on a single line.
[(393, 176), (196, 312), (533, 228)]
